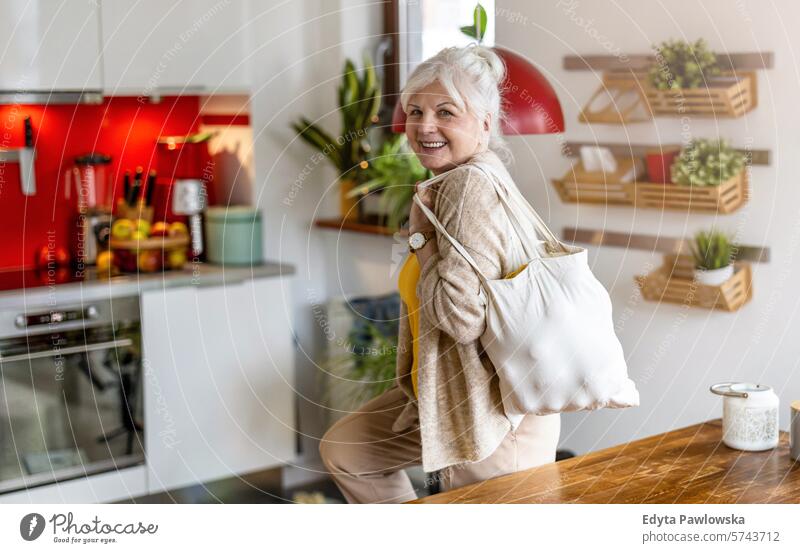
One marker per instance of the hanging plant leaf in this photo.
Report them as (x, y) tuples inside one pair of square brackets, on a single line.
[(469, 30), (479, 17)]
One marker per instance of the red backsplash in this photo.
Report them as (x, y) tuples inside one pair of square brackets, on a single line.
[(124, 128)]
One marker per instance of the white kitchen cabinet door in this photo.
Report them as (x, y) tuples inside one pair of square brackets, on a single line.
[(155, 47), (50, 45), (219, 382)]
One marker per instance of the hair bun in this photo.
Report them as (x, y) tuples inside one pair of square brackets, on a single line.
[(493, 61)]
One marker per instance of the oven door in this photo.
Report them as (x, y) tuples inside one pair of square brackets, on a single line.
[(70, 404)]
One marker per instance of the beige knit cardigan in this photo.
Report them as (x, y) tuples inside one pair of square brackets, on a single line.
[(459, 409)]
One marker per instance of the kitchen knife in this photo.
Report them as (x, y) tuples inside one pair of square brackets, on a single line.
[(151, 185), (27, 156), (137, 187), (126, 186)]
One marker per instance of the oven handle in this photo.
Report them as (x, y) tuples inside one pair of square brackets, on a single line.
[(66, 351)]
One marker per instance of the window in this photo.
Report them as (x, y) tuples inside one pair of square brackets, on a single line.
[(423, 27)]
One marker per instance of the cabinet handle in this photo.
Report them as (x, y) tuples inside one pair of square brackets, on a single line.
[(66, 351)]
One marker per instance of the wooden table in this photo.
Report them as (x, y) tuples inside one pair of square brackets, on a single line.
[(690, 465)]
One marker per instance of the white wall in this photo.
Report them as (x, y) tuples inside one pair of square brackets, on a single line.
[(675, 353), (299, 49)]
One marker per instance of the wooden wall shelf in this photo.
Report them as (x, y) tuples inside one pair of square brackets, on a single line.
[(652, 243), (577, 187), (354, 226), (742, 61), (626, 96), (623, 150), (674, 282)]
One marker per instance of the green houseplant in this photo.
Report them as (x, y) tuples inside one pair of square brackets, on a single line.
[(680, 64), (705, 162), (393, 172), (359, 100), (713, 252), (364, 371)]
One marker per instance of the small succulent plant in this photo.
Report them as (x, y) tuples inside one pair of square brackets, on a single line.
[(712, 249), (705, 162), (681, 64)]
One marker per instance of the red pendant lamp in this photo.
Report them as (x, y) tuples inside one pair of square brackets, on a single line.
[(530, 103)]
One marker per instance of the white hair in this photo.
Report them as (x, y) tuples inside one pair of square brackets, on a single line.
[(471, 76)]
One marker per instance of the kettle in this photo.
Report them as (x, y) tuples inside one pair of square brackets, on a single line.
[(749, 415)]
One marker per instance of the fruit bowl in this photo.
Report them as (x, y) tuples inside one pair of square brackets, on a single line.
[(138, 249)]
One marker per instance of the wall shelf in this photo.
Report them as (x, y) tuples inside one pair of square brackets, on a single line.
[(626, 95), (577, 186), (652, 243), (340, 224), (742, 61), (623, 150), (674, 282)]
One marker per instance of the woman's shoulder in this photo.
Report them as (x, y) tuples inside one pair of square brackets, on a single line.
[(466, 184), (468, 204)]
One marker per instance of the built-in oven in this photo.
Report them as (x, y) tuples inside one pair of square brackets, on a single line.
[(70, 392)]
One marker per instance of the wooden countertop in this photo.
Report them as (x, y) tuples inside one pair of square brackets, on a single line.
[(689, 465)]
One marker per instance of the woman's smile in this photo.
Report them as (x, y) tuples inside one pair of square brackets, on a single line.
[(440, 129)]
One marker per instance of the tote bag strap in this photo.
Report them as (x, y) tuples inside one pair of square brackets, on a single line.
[(440, 227), (506, 192)]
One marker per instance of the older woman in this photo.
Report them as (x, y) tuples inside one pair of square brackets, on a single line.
[(446, 410)]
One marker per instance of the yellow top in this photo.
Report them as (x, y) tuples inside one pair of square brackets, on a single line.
[(407, 286)]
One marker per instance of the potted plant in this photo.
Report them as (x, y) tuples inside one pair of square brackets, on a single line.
[(713, 253), (680, 64), (393, 172), (365, 369), (659, 161), (705, 162), (359, 101)]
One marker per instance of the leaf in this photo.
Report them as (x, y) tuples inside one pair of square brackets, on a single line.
[(480, 19), (370, 78), (469, 30), (319, 139)]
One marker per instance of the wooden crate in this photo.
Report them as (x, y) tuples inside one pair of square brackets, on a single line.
[(725, 198), (731, 95), (620, 99), (674, 282)]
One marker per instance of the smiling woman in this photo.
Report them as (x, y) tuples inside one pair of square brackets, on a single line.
[(452, 105), (445, 409)]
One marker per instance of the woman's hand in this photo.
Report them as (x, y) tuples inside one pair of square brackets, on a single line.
[(417, 221)]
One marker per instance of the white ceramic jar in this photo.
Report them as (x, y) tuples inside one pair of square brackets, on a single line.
[(749, 415)]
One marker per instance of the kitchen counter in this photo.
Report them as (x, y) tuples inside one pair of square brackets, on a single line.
[(689, 465), (91, 287)]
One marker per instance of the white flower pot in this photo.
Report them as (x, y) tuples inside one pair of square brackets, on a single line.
[(714, 277)]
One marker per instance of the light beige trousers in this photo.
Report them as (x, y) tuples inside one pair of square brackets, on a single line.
[(366, 458)]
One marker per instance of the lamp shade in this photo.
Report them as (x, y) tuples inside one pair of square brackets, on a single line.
[(530, 103)]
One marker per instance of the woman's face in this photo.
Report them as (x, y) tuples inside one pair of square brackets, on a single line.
[(441, 134)]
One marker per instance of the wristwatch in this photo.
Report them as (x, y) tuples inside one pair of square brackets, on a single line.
[(417, 240)]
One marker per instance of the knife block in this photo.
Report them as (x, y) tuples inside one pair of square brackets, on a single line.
[(140, 211)]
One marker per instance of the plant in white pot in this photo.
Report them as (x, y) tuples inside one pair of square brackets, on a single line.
[(713, 253)]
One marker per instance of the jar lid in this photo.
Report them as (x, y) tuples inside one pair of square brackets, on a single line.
[(749, 387), (233, 214)]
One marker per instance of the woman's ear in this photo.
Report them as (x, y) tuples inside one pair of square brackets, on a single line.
[(487, 122)]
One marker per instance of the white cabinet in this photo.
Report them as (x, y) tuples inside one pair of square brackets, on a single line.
[(163, 46), (50, 45), (219, 382)]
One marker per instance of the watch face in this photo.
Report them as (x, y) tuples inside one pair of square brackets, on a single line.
[(416, 240)]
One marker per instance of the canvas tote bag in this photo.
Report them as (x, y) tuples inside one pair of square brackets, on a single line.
[(549, 329)]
